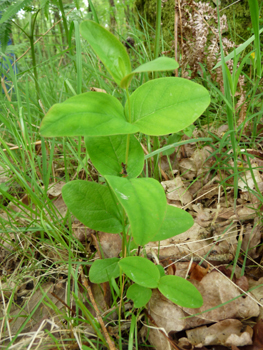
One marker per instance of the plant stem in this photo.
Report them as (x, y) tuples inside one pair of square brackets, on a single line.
[(129, 120), (64, 20), (31, 39), (124, 238), (127, 149), (230, 113), (156, 54)]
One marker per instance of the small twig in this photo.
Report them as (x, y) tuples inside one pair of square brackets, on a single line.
[(202, 195), (106, 334), (73, 313), (17, 147), (176, 37), (95, 241), (181, 28)]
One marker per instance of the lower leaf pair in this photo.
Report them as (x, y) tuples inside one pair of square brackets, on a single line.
[(146, 276)]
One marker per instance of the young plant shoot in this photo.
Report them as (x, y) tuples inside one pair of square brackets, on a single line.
[(127, 204)]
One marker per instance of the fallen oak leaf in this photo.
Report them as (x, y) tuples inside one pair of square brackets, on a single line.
[(257, 337), (197, 272)]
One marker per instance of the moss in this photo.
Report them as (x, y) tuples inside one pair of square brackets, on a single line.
[(238, 17)]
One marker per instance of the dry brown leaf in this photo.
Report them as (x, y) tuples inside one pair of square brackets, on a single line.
[(211, 189), (203, 217), (156, 338), (198, 241), (258, 291), (257, 158), (198, 164), (227, 332), (17, 316), (243, 213), (55, 189), (257, 337), (187, 168), (251, 239), (197, 272), (242, 283), (80, 231), (217, 289), (60, 205), (176, 191), (246, 181), (98, 90), (170, 316), (110, 243)]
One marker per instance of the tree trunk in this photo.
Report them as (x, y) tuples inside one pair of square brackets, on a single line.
[(239, 9), (112, 16)]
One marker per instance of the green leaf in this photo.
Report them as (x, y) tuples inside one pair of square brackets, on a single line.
[(140, 295), (88, 114), (161, 270), (254, 13), (84, 347), (103, 270), (94, 12), (167, 105), (176, 221), (141, 271), (144, 202), (157, 65), (93, 204), (108, 48), (180, 291), (108, 153), (13, 9)]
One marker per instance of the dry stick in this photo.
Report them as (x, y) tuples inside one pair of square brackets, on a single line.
[(176, 37), (106, 334), (202, 195), (95, 241), (181, 29), (38, 40), (5, 90), (17, 147), (161, 170), (73, 313)]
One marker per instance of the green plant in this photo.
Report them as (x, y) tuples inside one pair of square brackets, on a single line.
[(135, 207)]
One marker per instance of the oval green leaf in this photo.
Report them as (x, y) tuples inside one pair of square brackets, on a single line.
[(176, 221), (108, 48), (157, 65), (180, 291), (139, 295), (144, 202), (141, 271), (108, 154), (93, 204), (167, 105), (103, 270), (161, 270), (88, 114)]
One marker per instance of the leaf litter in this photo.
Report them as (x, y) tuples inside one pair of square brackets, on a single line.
[(231, 316)]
